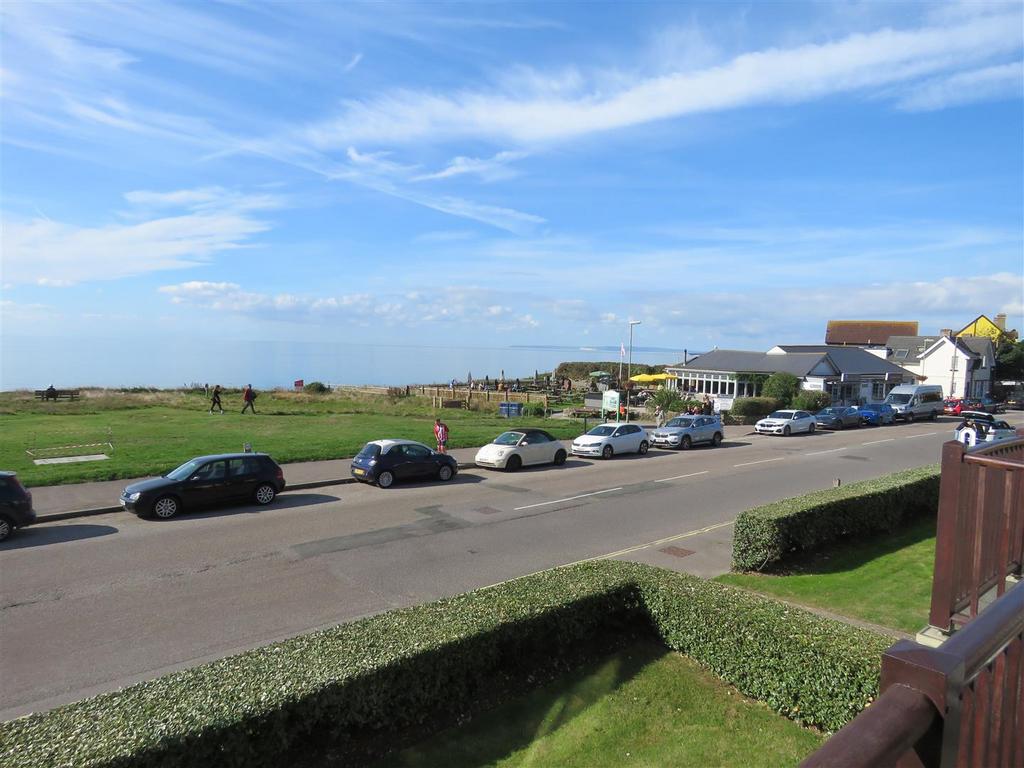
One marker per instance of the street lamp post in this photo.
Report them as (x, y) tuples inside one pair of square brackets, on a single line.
[(629, 364)]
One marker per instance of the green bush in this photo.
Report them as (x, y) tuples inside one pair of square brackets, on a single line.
[(766, 535), (754, 408), (534, 410), (812, 401), (782, 386), (316, 388), (409, 667)]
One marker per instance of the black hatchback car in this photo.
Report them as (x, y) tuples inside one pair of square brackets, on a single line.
[(206, 481), (385, 461), (15, 505)]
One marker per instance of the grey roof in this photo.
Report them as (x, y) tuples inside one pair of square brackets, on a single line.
[(979, 345), (914, 345), (797, 360)]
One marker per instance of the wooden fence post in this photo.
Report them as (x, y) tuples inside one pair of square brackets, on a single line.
[(946, 538)]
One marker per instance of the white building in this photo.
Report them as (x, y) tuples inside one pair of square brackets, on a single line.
[(961, 366)]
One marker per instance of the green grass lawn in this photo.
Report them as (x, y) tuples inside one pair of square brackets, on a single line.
[(887, 580), (154, 432), (644, 706)]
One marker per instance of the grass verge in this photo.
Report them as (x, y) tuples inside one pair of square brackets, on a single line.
[(642, 706), (886, 580), (155, 432)]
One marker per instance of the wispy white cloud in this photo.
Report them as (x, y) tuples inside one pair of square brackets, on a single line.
[(488, 169), (353, 63), (51, 253), (857, 63), (985, 84)]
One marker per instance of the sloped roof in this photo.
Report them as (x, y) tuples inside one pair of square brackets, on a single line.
[(979, 345), (875, 332), (914, 346), (737, 361), (852, 360)]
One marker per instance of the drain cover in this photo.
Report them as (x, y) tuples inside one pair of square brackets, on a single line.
[(677, 551)]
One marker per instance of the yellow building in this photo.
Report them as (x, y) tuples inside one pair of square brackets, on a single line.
[(982, 326)]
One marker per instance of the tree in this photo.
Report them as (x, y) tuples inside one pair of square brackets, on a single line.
[(1009, 361), (668, 399), (781, 386)]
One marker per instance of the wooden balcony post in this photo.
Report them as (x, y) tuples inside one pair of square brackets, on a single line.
[(946, 536)]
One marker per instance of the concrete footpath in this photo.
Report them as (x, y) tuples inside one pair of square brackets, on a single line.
[(62, 502)]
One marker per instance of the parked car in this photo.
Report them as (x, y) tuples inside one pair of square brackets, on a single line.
[(990, 405), (386, 461), (876, 414), (206, 481), (607, 440), (980, 427), (952, 406), (684, 431), (786, 423), (916, 401), (15, 505), (838, 417), (519, 448)]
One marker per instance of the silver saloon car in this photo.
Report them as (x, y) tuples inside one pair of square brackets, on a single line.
[(684, 431)]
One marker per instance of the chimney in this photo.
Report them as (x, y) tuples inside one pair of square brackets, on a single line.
[(1000, 321), (947, 332)]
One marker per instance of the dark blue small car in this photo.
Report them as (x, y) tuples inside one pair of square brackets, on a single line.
[(385, 461), (877, 414)]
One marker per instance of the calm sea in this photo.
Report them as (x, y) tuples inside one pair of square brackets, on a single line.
[(37, 363)]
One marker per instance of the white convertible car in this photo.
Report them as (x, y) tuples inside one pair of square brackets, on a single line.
[(979, 427), (519, 448)]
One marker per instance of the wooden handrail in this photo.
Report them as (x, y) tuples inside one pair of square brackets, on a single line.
[(989, 632)]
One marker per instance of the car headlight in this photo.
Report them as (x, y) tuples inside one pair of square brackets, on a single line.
[(135, 496), (371, 462)]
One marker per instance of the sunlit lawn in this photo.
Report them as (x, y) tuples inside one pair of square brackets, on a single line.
[(886, 580), (644, 706), (152, 433)]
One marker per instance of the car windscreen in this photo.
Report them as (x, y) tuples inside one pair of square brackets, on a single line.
[(781, 415), (898, 399), (370, 451), (831, 411), (185, 471), (508, 438), (602, 431), (679, 422)]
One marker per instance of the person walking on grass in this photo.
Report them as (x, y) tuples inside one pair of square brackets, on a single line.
[(215, 400), (250, 398), (441, 433)]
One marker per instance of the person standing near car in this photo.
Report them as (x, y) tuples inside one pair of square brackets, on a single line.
[(250, 398), (215, 400), (441, 434)]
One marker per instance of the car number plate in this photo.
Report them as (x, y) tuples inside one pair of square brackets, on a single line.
[(359, 471)]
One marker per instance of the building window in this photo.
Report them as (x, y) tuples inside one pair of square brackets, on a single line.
[(878, 389)]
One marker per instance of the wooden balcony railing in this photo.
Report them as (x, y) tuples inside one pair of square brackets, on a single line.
[(960, 705), (980, 533)]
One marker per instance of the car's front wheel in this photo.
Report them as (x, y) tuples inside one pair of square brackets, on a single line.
[(910, 417), (385, 479), (608, 452), (165, 507), (786, 431), (6, 528), (265, 493), (445, 473), (643, 447), (685, 443)]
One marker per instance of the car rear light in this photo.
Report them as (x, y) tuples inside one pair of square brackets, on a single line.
[(280, 474)]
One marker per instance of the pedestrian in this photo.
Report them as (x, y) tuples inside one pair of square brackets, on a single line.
[(215, 399), (659, 417), (451, 387), (441, 433), (250, 399)]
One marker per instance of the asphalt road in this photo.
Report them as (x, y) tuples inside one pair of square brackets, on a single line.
[(94, 604)]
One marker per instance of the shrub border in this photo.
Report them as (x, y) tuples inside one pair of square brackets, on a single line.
[(765, 536)]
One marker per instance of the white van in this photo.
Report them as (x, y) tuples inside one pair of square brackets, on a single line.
[(916, 401)]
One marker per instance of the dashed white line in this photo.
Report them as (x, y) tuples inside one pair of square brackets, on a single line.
[(762, 461), (571, 498), (832, 450), (923, 434), (876, 442), (680, 477)]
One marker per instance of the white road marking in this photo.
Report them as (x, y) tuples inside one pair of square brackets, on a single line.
[(876, 442), (680, 477), (657, 543), (923, 434), (762, 461), (831, 450), (571, 498)]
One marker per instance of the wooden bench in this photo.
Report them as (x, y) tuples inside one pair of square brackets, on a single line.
[(57, 394)]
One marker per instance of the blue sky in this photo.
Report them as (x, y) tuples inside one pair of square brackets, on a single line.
[(485, 175)]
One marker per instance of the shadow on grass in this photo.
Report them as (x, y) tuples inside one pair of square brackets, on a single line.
[(496, 734), (849, 555)]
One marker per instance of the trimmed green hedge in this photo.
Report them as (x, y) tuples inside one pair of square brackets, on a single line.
[(407, 667), (766, 535), (754, 407)]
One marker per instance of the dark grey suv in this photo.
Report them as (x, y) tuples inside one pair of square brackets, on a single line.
[(206, 481), (15, 505)]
